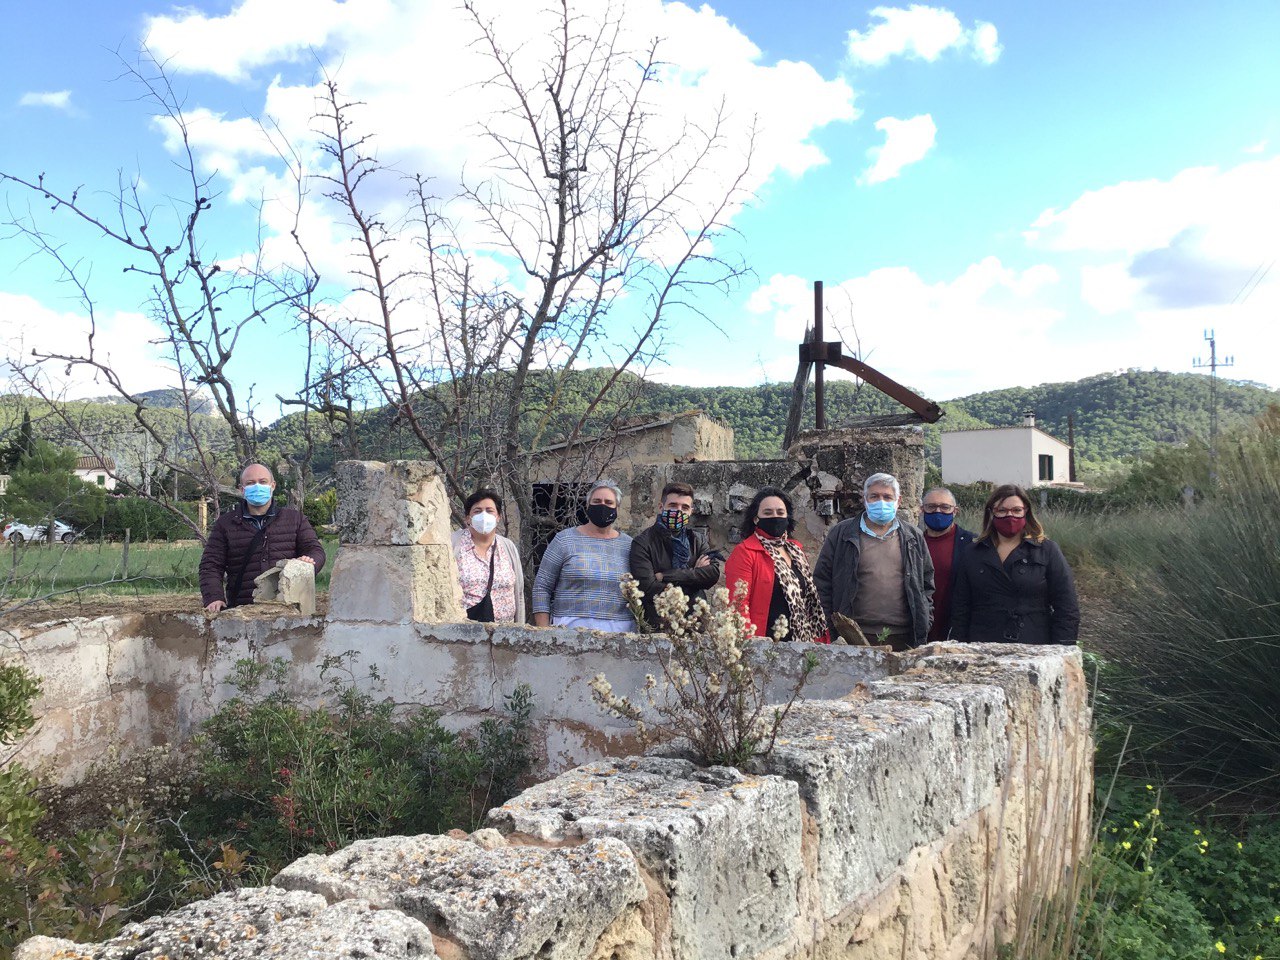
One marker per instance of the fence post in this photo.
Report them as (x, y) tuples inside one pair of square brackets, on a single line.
[(124, 560)]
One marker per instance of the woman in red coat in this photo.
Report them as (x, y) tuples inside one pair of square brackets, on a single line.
[(775, 571)]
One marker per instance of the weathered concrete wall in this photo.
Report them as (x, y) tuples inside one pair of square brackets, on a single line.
[(910, 818), (137, 681)]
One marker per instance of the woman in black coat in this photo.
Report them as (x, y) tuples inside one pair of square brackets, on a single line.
[(1014, 586)]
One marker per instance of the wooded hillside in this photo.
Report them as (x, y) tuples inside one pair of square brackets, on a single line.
[(1116, 415)]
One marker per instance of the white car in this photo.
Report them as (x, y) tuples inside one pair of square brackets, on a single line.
[(15, 532)]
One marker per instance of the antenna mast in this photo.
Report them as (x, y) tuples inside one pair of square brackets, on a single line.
[(1213, 365)]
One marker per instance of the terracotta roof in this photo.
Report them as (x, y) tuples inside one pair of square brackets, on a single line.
[(95, 463)]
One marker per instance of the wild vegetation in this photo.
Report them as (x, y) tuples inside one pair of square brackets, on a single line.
[(268, 780), (1183, 600)]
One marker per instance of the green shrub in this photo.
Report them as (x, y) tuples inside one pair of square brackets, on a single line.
[(279, 779), (87, 883), (269, 780), (1168, 884), (144, 519), (320, 510)]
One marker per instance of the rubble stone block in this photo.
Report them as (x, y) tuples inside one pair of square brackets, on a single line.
[(496, 902), (400, 503), (854, 761), (415, 584), (291, 582), (45, 948), (723, 846), (264, 922)]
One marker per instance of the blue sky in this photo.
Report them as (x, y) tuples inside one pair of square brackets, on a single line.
[(994, 193)]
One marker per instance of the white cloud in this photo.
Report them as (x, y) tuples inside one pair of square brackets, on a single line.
[(905, 142), (1191, 241), (921, 33), (123, 340), (259, 32), (986, 42), (1256, 148), (1108, 288), (54, 99), (422, 85)]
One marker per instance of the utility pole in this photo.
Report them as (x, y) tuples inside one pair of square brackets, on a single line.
[(1213, 365)]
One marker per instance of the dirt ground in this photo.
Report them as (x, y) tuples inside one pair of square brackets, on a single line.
[(21, 612)]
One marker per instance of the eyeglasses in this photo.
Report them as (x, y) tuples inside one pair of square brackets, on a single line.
[(938, 508), (1009, 513)]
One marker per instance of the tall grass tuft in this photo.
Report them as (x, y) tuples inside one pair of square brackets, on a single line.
[(1194, 644)]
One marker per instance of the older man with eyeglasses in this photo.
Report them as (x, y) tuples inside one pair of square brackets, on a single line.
[(948, 542)]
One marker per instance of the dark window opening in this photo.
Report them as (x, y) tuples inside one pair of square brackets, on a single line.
[(1046, 468), (555, 506)]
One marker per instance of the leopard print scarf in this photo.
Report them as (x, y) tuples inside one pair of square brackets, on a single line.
[(805, 615)]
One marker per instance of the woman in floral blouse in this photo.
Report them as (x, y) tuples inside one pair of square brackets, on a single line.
[(488, 563)]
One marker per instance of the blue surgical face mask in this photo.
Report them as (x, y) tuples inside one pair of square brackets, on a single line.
[(257, 494), (939, 521), (882, 511)]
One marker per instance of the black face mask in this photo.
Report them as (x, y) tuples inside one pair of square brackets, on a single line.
[(772, 526), (602, 515)]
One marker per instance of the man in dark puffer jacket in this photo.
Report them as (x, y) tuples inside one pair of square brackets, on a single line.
[(286, 535)]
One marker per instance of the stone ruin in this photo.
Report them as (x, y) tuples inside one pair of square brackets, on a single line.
[(913, 803), (822, 472)]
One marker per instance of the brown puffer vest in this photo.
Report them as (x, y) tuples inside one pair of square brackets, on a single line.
[(288, 535)]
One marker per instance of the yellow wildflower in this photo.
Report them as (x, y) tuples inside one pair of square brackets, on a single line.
[(1220, 947)]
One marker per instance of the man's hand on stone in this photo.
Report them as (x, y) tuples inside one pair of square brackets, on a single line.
[(215, 606), (310, 560)]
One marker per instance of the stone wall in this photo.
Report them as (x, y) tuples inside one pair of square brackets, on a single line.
[(135, 681), (912, 804), (909, 817)]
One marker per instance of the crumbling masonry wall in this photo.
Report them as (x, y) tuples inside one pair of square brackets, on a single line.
[(911, 816)]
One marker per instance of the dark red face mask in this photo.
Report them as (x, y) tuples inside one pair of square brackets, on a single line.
[(1009, 526)]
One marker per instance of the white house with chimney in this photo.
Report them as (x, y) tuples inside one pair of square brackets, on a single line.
[(1023, 454)]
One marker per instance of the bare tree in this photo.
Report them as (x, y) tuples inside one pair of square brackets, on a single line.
[(608, 221), (202, 309)]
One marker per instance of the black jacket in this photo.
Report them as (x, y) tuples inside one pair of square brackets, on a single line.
[(288, 535), (651, 554), (1034, 602), (836, 574), (961, 544)]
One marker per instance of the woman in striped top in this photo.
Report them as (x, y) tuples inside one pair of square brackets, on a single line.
[(579, 582)]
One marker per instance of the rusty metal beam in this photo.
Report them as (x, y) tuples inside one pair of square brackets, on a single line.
[(819, 391)]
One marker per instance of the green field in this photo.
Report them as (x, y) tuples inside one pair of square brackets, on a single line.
[(36, 570)]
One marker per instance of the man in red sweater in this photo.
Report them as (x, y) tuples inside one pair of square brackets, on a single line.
[(947, 542)]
